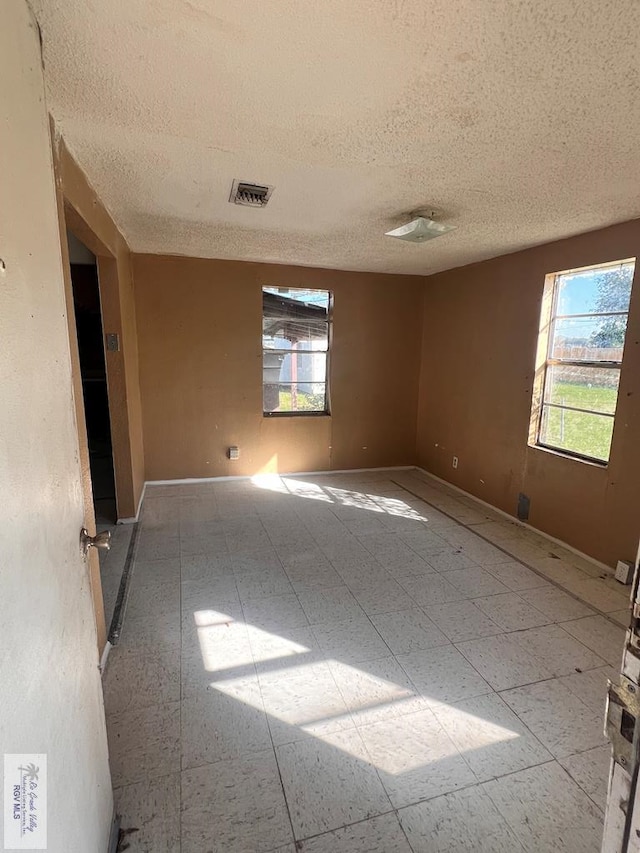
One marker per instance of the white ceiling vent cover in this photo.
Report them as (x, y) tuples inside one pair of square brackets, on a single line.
[(250, 195)]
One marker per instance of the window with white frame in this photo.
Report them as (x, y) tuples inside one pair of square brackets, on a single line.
[(295, 351), (582, 332)]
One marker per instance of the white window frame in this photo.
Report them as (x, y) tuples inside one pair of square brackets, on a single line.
[(297, 413), (545, 360)]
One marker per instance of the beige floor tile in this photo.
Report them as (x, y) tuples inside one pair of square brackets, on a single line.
[(407, 631), (462, 620), (329, 604), (443, 674), (329, 782), (139, 678), (547, 810), (377, 835), (511, 612), (275, 613), (458, 822), (415, 758), (599, 594), (490, 737), (375, 691), (561, 721), (350, 640), (590, 770), (301, 700), (234, 805), (516, 576), (556, 604), (431, 589), (153, 572), (225, 721), (502, 662), (559, 651), (144, 743), (622, 617), (150, 814), (475, 582), (591, 686), (600, 635), (382, 597), (450, 560)]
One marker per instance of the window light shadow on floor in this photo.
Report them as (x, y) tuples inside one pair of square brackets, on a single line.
[(334, 495), (230, 649)]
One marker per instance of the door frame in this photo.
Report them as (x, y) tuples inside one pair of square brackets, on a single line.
[(81, 426)]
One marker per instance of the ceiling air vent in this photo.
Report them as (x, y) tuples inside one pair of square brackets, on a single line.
[(250, 195)]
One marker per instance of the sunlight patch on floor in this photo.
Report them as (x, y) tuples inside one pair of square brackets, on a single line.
[(303, 694)]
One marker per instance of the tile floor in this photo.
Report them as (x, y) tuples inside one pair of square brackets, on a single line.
[(365, 662)]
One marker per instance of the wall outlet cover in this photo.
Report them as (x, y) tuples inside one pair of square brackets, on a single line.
[(624, 571)]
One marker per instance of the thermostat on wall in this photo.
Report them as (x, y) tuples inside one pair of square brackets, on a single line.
[(234, 452)]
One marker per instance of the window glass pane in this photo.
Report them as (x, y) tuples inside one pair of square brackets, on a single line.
[(301, 376), (600, 290), (584, 387), (295, 316), (300, 294), (577, 432), (589, 338), (294, 366), (295, 340), (294, 397)]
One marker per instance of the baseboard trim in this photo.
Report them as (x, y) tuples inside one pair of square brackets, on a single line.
[(194, 480), (114, 834), (104, 656), (517, 521)]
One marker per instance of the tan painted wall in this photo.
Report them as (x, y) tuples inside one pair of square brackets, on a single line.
[(479, 343), (87, 217), (199, 336), (49, 677)]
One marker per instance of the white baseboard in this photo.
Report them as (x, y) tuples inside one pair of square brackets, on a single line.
[(194, 480), (514, 520), (104, 656)]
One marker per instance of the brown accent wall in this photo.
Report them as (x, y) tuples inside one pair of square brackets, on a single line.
[(478, 355), (91, 222), (199, 338)]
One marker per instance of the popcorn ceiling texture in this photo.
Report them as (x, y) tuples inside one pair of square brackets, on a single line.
[(519, 120)]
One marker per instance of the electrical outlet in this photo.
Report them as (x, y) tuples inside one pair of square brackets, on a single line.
[(455, 461)]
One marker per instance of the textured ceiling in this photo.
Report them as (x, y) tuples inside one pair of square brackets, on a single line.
[(519, 120)]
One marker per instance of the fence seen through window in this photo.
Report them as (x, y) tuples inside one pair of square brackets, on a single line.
[(295, 348), (586, 334)]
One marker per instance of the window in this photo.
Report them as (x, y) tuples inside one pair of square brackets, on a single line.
[(582, 331), (295, 348)]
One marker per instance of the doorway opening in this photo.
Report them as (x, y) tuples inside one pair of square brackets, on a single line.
[(89, 329)]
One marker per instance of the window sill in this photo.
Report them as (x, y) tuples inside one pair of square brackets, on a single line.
[(296, 414), (571, 457)]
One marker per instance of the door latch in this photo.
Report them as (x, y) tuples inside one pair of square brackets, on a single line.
[(623, 714), (101, 540)]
